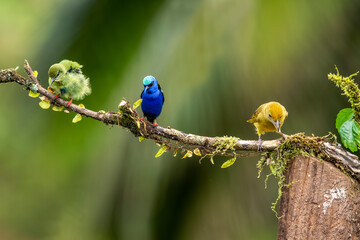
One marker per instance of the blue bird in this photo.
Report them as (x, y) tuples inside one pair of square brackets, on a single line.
[(152, 99)]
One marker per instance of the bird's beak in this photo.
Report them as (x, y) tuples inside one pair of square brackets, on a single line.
[(146, 88), (277, 125), (52, 81)]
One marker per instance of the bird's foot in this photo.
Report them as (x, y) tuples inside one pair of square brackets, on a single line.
[(69, 102), (155, 123), (142, 118), (284, 136), (57, 96)]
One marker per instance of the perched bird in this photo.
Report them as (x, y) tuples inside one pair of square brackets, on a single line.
[(68, 81), (269, 117), (152, 99)]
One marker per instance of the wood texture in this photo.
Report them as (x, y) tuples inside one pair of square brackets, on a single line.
[(322, 202)]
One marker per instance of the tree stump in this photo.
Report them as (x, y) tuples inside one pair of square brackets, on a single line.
[(322, 202)]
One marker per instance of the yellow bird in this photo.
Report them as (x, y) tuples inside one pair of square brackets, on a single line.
[(269, 117)]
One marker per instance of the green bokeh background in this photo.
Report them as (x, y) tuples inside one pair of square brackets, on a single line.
[(217, 60)]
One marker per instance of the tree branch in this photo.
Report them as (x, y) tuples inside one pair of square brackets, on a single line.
[(128, 118)]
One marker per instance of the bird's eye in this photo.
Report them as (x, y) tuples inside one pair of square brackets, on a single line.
[(57, 74), (269, 115), (152, 83)]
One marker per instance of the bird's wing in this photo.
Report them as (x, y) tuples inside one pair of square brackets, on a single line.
[(256, 114), (253, 117), (162, 92), (141, 94)]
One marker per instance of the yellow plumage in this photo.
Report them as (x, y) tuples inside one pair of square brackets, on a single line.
[(269, 117)]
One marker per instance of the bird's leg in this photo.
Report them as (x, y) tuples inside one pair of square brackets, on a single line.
[(259, 144), (57, 95), (155, 123), (69, 102), (142, 118), (284, 136)]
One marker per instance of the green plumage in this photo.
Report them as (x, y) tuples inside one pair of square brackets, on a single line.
[(71, 67), (67, 79)]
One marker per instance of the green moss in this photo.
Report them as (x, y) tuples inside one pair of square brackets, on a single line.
[(278, 160), (222, 147), (224, 144), (350, 89)]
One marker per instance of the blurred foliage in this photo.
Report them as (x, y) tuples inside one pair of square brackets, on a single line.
[(216, 60)]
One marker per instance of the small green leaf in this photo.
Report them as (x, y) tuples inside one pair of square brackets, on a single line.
[(228, 163), (44, 104), (33, 95), (344, 115), (141, 139), (197, 152), (356, 130), (188, 154), (212, 160), (349, 133), (161, 151), (137, 103), (58, 108), (348, 128), (138, 124), (77, 118)]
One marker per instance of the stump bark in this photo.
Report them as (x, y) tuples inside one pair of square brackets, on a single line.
[(322, 202)]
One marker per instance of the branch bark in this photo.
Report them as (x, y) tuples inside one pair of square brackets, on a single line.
[(128, 118)]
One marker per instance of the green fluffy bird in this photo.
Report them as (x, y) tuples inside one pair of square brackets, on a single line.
[(68, 81)]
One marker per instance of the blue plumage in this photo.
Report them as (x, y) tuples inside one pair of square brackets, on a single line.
[(152, 99)]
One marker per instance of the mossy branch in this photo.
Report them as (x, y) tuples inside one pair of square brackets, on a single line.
[(203, 146), (128, 118)]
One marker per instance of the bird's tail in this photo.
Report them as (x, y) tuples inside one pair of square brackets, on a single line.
[(150, 119)]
